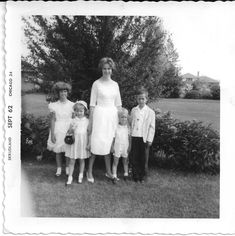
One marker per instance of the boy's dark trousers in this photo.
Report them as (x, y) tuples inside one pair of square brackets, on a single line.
[(139, 158)]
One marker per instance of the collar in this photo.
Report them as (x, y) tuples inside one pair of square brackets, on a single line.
[(143, 109)]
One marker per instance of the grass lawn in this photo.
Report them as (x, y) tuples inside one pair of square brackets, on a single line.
[(207, 111), (167, 194)]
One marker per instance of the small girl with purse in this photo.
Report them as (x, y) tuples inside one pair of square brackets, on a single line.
[(77, 140)]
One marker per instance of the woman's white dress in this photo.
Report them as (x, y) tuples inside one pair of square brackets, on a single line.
[(105, 97), (78, 150), (63, 115)]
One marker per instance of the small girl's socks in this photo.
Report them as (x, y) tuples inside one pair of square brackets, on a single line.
[(58, 171), (80, 177), (70, 180)]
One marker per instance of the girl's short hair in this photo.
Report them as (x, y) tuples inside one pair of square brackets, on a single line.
[(107, 60), (122, 111), (81, 104), (58, 86)]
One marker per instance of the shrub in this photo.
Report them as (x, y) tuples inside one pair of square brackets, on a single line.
[(206, 94), (193, 94), (187, 145), (34, 134), (215, 91)]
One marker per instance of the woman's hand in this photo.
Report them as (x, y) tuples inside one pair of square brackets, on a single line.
[(53, 138), (88, 147)]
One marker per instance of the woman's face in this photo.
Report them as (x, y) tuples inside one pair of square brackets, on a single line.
[(63, 94), (107, 70)]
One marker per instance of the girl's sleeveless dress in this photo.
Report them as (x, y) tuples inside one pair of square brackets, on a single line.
[(105, 97), (121, 142), (63, 114), (78, 149)]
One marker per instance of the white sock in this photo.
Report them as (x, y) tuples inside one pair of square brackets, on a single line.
[(58, 171), (125, 174), (70, 179)]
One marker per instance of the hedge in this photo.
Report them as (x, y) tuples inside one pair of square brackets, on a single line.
[(182, 145), (186, 145)]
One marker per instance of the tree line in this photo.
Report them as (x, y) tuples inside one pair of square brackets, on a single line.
[(68, 48)]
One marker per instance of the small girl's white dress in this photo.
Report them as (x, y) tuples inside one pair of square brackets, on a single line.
[(121, 142), (78, 150), (63, 114), (105, 97)]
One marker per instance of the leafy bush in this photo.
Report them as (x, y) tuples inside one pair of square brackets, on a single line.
[(193, 94), (215, 91), (187, 145), (34, 134), (206, 94)]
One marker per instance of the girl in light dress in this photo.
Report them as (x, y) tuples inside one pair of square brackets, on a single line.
[(104, 104), (60, 118), (79, 149), (121, 144)]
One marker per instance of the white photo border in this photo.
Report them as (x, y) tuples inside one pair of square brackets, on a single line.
[(14, 223)]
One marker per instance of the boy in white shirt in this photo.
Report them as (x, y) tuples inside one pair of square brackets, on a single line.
[(142, 133)]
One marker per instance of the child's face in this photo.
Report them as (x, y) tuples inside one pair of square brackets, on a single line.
[(63, 94), (142, 99), (123, 119), (79, 111)]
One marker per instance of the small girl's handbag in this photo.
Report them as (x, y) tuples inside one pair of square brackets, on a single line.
[(69, 139)]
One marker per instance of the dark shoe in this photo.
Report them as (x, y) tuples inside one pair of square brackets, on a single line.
[(115, 180), (125, 178)]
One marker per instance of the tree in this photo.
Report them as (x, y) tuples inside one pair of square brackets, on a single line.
[(68, 48)]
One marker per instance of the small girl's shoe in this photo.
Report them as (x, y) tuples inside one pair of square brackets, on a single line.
[(70, 180), (58, 172), (90, 180), (80, 177)]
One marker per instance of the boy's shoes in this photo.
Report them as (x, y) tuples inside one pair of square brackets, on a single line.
[(125, 177)]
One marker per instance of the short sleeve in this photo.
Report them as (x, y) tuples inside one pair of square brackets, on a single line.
[(94, 94), (118, 101), (51, 107)]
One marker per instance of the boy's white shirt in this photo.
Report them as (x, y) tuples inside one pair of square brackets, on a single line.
[(148, 127)]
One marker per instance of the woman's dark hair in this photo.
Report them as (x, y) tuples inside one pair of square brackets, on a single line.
[(107, 60)]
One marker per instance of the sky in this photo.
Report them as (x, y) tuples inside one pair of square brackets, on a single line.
[(203, 35), (204, 38)]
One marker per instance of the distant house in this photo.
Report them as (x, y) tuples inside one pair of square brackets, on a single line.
[(28, 77), (203, 82)]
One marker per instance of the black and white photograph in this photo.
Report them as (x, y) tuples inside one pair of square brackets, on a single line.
[(120, 114)]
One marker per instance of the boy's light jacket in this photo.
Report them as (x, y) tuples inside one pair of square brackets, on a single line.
[(148, 123)]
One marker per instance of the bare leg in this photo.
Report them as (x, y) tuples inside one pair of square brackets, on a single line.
[(58, 164), (90, 167), (67, 161), (108, 165), (81, 166), (125, 166), (115, 165), (71, 166)]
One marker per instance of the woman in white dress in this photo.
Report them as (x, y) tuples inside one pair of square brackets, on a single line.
[(104, 104), (60, 118)]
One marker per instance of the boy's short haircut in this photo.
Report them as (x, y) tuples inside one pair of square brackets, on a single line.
[(142, 90)]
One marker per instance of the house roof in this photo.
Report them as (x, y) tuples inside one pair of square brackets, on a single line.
[(204, 79)]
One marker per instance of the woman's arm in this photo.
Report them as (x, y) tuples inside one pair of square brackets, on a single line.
[(90, 120)]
